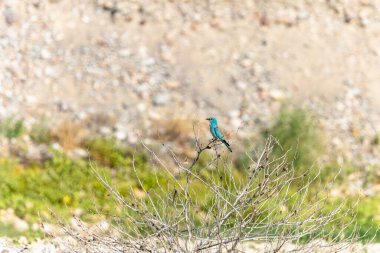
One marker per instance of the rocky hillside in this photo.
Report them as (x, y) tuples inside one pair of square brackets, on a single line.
[(125, 65)]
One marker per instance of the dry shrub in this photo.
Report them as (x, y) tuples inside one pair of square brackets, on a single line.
[(174, 130), (268, 206), (69, 134), (96, 120)]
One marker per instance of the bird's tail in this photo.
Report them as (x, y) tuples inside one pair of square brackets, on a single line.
[(227, 145)]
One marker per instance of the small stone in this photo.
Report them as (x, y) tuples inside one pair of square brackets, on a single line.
[(246, 63), (348, 82), (56, 146), (236, 123), (104, 130), (35, 227), (86, 19), (125, 52), (172, 84), (132, 138), (276, 95), (241, 85), (257, 69), (63, 106), (38, 153), (80, 153), (52, 229), (120, 135), (340, 106), (78, 212), (10, 16), (161, 99), (352, 93), (234, 114), (154, 115), (45, 54), (50, 71), (141, 107), (301, 15), (30, 99), (20, 225)]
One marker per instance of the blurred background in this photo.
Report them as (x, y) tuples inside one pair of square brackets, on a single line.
[(99, 76)]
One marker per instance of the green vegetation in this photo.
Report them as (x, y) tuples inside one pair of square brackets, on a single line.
[(299, 136), (11, 128), (62, 184), (40, 132)]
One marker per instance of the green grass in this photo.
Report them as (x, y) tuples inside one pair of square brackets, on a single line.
[(40, 132), (63, 184), (11, 128), (298, 133)]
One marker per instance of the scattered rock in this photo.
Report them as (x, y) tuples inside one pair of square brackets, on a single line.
[(120, 135), (80, 153), (277, 95), (172, 84), (10, 16), (8, 216), (37, 153), (161, 99), (106, 131)]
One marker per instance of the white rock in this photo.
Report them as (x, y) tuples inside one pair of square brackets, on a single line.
[(120, 135), (23, 240), (10, 16), (104, 130), (80, 153), (241, 85), (50, 71), (141, 107), (277, 95), (161, 99), (45, 54), (56, 146)]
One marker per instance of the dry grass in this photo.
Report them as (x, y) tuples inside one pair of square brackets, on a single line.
[(69, 134), (238, 210), (174, 130)]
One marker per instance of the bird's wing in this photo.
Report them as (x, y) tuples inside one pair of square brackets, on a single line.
[(212, 130), (218, 133)]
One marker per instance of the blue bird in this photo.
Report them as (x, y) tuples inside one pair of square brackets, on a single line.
[(216, 134)]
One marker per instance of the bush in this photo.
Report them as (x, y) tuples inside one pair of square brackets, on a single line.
[(298, 134), (218, 209), (41, 133), (11, 128)]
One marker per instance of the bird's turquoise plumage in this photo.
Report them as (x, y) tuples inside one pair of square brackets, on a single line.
[(216, 134)]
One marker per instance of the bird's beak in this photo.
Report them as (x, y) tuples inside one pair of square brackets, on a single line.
[(208, 119)]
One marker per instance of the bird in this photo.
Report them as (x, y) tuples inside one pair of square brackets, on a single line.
[(216, 134)]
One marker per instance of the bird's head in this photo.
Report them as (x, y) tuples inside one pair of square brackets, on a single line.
[(212, 120)]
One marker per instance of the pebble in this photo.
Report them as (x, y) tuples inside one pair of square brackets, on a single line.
[(120, 135), (104, 130), (50, 71), (277, 95), (141, 107), (172, 84), (10, 16), (80, 153), (63, 106), (45, 54), (56, 146), (161, 99), (241, 85), (8, 216), (38, 153)]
